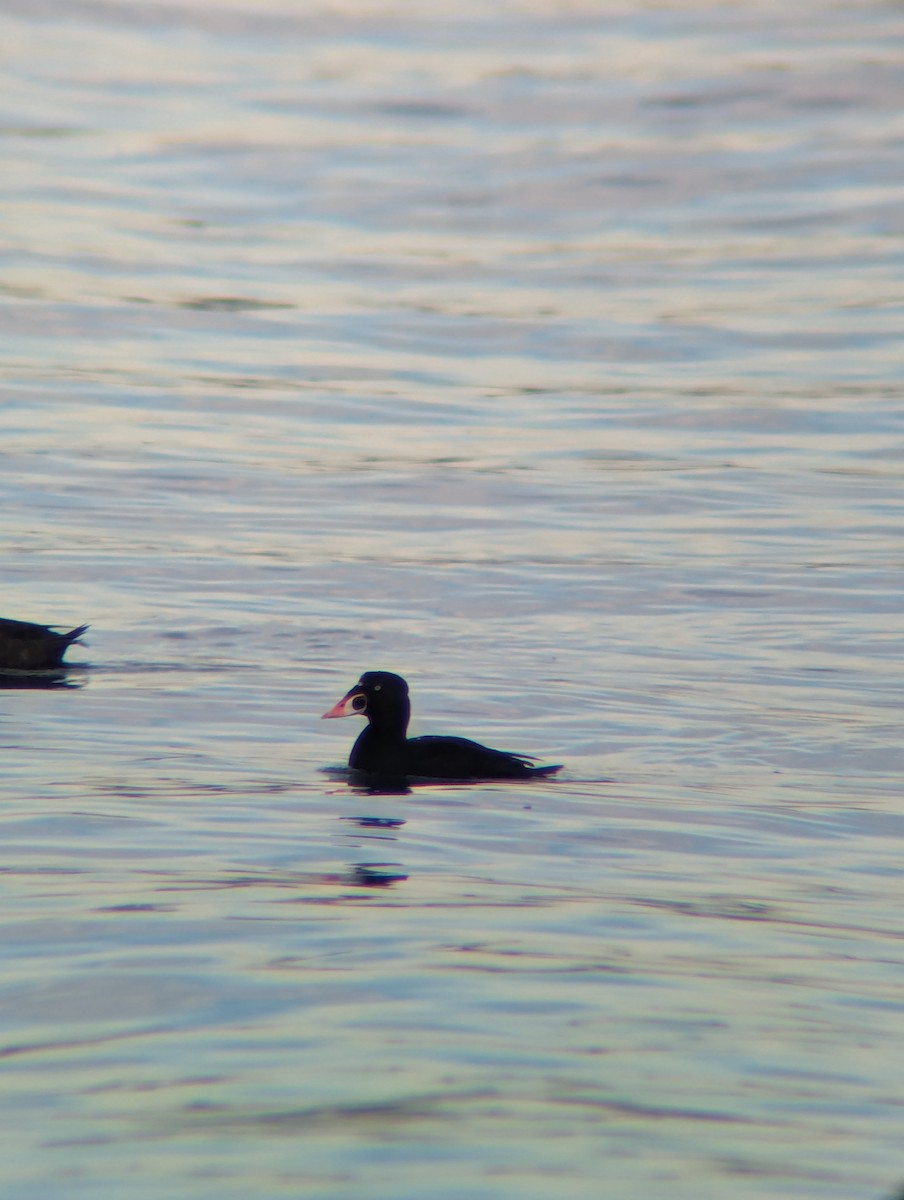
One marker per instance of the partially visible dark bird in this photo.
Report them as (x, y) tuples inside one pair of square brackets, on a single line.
[(385, 753), (25, 646)]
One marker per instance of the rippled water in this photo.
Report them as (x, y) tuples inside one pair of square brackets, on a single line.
[(549, 355)]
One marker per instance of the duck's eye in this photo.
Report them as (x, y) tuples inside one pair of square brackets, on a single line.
[(359, 703), (378, 687)]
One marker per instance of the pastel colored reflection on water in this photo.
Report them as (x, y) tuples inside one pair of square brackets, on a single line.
[(551, 358)]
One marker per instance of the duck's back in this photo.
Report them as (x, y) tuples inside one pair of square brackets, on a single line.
[(460, 758), (26, 646)]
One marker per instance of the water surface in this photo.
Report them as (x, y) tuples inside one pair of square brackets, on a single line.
[(550, 356)]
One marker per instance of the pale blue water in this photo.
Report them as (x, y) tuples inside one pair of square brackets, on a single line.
[(549, 355)]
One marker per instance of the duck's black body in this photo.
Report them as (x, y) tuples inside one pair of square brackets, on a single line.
[(383, 751), (25, 646)]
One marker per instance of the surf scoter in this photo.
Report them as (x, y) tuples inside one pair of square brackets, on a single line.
[(384, 752), (25, 646)]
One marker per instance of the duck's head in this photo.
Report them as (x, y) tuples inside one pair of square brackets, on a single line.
[(378, 695)]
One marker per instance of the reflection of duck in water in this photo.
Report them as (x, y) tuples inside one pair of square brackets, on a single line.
[(384, 751), (25, 646)]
